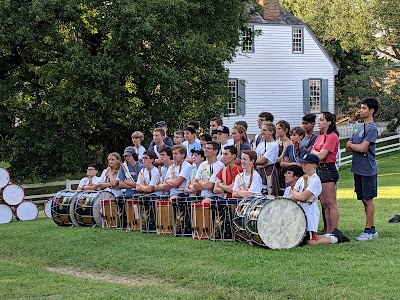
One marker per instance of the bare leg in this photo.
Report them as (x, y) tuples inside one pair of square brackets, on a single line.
[(332, 212), (369, 208)]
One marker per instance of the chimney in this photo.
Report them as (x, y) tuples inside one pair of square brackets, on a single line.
[(271, 10)]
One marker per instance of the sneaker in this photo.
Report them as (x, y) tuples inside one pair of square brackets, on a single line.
[(395, 219), (364, 236), (374, 235)]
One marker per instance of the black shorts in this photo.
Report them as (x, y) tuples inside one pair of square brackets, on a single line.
[(328, 172), (366, 187)]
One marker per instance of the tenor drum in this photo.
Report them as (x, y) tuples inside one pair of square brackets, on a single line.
[(90, 208), (27, 211), (4, 177), (133, 213), (222, 213), (13, 194), (164, 219), (6, 214), (61, 211), (276, 224), (148, 217), (182, 215), (201, 221)]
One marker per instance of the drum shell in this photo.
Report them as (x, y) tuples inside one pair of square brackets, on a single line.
[(61, 208), (201, 221), (148, 213), (109, 213), (222, 214), (6, 214), (182, 215), (164, 219), (239, 219), (133, 214)]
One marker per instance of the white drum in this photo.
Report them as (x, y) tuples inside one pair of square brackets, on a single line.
[(27, 211), (6, 214), (47, 208), (13, 194), (4, 177)]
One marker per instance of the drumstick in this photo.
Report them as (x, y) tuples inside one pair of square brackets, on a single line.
[(126, 171)]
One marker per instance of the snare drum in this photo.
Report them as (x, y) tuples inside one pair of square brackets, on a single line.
[(87, 208), (148, 216), (27, 211), (164, 219), (6, 214), (61, 211), (182, 214), (109, 212), (4, 177), (13, 194), (201, 221), (276, 224), (222, 213)]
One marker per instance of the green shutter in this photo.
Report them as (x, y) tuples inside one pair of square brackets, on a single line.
[(241, 98), (306, 96), (324, 95)]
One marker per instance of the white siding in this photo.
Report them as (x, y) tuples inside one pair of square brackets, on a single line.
[(274, 76)]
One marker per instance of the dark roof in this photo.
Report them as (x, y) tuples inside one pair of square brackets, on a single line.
[(286, 18)]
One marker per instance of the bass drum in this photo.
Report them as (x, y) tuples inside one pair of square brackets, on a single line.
[(86, 207), (241, 211), (13, 194), (27, 211), (47, 208), (277, 224), (61, 207), (6, 214), (4, 177)]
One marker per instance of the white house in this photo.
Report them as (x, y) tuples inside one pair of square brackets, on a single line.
[(284, 70)]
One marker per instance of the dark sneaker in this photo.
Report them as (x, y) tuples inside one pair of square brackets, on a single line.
[(340, 236), (395, 219)]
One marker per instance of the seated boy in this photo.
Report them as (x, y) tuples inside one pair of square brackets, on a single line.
[(292, 173), (91, 181)]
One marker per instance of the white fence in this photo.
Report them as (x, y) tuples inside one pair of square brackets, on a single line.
[(346, 131), (67, 183), (345, 158)]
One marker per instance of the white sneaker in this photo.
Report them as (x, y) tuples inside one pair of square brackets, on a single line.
[(364, 236), (374, 235)]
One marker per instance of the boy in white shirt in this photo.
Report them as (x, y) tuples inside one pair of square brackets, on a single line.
[(306, 192), (292, 174), (148, 176), (137, 138), (91, 181), (206, 175), (223, 139), (248, 182)]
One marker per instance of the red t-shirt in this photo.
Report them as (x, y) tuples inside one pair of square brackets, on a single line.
[(229, 175), (328, 142)]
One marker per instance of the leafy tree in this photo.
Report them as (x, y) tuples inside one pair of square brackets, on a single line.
[(81, 76)]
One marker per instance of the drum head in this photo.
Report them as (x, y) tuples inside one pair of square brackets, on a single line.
[(4, 177), (47, 208), (5, 214), (13, 194), (281, 224), (27, 211)]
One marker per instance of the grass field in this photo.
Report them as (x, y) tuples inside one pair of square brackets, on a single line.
[(41, 261)]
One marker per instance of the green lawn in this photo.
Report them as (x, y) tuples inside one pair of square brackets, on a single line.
[(41, 261)]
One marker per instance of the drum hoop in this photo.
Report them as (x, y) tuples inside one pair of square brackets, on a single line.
[(6, 209), (48, 202), (4, 175), (24, 204), (19, 200)]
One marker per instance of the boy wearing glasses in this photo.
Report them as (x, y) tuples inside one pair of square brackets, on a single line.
[(91, 181), (148, 176)]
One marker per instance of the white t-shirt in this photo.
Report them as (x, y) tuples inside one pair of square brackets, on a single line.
[(269, 150), (287, 192), (140, 151), (183, 171), (149, 178), (209, 173), (85, 181), (310, 207), (255, 185), (115, 190)]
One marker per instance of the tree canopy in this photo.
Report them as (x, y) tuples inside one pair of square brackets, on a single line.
[(78, 77)]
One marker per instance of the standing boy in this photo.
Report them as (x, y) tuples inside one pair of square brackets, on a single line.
[(364, 167)]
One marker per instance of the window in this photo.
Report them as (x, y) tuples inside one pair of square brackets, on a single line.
[(297, 40), (247, 40), (236, 104), (315, 95)]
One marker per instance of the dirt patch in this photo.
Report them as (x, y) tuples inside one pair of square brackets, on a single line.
[(107, 277)]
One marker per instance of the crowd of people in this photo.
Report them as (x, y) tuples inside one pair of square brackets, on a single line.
[(296, 163)]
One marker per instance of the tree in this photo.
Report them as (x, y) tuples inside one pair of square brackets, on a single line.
[(81, 76)]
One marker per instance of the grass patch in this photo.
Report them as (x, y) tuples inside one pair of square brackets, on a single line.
[(41, 261)]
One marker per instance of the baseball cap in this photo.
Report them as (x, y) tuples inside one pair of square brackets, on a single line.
[(200, 152), (129, 150), (223, 129), (161, 124), (310, 158)]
